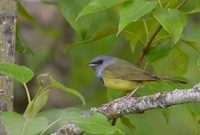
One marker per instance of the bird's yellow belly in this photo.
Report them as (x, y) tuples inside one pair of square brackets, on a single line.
[(119, 84)]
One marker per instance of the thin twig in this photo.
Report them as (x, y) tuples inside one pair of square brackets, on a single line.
[(146, 48)]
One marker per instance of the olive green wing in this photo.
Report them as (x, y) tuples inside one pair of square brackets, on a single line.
[(127, 71)]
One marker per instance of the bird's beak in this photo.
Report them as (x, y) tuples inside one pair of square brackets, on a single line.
[(91, 65)]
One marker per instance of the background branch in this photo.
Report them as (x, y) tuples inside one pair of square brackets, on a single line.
[(127, 105)]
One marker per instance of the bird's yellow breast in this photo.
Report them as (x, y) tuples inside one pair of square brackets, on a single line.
[(119, 84)]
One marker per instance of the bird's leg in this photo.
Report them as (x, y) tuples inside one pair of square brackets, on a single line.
[(132, 93)]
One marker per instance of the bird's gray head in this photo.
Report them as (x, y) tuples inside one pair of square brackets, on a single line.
[(100, 62)]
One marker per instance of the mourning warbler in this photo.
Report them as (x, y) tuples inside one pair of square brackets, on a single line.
[(119, 74)]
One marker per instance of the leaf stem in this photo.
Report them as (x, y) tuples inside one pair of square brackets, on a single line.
[(146, 29), (50, 125), (27, 93), (160, 3), (25, 125), (162, 37), (181, 4), (168, 4), (134, 35)]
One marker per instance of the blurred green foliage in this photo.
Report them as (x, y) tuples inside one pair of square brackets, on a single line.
[(123, 28)]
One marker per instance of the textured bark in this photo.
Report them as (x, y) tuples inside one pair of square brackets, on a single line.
[(7, 52)]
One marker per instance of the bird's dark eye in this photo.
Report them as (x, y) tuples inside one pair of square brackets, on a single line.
[(99, 62)]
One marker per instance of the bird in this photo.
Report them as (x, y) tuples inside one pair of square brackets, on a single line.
[(122, 75)]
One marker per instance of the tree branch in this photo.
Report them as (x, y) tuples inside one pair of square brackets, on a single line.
[(127, 105)]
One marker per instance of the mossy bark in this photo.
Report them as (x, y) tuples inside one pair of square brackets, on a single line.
[(8, 13)]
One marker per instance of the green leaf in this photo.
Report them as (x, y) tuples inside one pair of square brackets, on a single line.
[(114, 94), (177, 60), (21, 74), (166, 114), (99, 5), (138, 37), (57, 84), (180, 60), (158, 51), (191, 6), (196, 10), (134, 10), (17, 125), (52, 115), (96, 36), (20, 45), (91, 123), (198, 62), (22, 11), (172, 20), (51, 2), (191, 44), (95, 123), (194, 110), (70, 10), (36, 104), (127, 122), (23, 49)]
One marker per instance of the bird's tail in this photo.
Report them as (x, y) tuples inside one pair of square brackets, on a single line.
[(174, 80)]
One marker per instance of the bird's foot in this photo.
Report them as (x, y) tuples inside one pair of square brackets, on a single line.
[(133, 92)]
